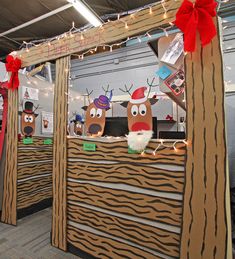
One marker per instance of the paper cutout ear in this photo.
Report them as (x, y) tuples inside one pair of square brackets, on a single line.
[(124, 104), (84, 108), (19, 113), (36, 115), (153, 101)]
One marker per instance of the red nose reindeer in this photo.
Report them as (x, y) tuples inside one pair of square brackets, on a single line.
[(139, 109)]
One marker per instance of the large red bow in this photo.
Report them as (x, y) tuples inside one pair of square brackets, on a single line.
[(191, 18), (13, 65)]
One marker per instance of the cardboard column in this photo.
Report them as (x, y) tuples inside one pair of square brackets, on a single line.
[(59, 219), (204, 233), (10, 173)]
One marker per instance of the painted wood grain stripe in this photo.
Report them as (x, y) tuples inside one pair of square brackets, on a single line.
[(147, 222), (153, 238), (160, 209), (33, 155), (35, 162), (102, 245), (28, 170), (129, 188), (34, 177), (146, 177)]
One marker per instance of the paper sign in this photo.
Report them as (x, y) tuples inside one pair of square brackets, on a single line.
[(174, 50), (47, 122), (27, 141), (89, 147), (164, 72), (30, 93), (176, 82), (47, 141)]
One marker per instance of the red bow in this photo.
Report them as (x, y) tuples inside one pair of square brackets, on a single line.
[(191, 18), (13, 65), (169, 117)]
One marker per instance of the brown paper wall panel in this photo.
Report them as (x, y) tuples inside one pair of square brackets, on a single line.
[(103, 247), (59, 220), (10, 174), (29, 170), (24, 201), (140, 205), (28, 155), (204, 222), (118, 152), (148, 236), (137, 175)]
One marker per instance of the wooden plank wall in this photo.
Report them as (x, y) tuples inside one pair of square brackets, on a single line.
[(205, 225), (34, 173), (124, 205), (10, 174), (59, 219)]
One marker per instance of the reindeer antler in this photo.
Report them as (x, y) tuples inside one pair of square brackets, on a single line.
[(36, 107), (107, 90), (126, 89), (151, 85), (88, 95)]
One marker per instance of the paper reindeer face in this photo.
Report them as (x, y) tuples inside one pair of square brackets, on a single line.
[(28, 118), (78, 125), (95, 116), (139, 113)]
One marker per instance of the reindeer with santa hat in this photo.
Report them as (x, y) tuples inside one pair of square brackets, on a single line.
[(139, 113)]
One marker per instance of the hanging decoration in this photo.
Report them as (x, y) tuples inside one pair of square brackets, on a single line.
[(196, 17), (28, 117), (139, 113), (3, 93), (12, 66), (78, 125), (96, 112)]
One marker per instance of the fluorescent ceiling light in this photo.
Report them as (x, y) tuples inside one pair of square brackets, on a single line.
[(85, 11)]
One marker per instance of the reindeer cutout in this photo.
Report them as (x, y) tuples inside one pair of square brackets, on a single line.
[(139, 113), (96, 113), (28, 117)]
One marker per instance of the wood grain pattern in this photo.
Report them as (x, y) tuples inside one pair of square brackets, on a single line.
[(37, 141), (34, 155), (154, 238), (29, 170), (103, 247), (59, 221), (111, 32), (118, 152), (204, 220), (140, 205), (10, 174)]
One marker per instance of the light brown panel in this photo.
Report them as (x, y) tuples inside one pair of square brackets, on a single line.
[(29, 170), (28, 155), (59, 220), (118, 152), (103, 247), (111, 32), (151, 237), (10, 174), (135, 204), (37, 141), (204, 220), (32, 198), (137, 175)]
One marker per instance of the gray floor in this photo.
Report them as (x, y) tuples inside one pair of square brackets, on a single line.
[(30, 239)]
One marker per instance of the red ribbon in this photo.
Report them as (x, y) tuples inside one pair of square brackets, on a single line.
[(191, 18), (13, 65), (3, 92), (169, 117)]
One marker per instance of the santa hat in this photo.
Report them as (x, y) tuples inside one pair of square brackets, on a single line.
[(138, 95)]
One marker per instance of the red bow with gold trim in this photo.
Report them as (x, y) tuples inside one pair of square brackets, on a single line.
[(193, 17), (13, 65)]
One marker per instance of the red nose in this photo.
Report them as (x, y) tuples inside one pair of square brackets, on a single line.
[(140, 126)]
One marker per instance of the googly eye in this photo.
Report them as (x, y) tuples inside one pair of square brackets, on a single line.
[(30, 119), (93, 112), (142, 109), (99, 113), (26, 118), (134, 110)]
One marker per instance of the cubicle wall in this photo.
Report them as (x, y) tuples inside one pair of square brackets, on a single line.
[(122, 205), (34, 176)]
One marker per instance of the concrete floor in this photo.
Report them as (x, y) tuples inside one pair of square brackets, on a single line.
[(30, 239)]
